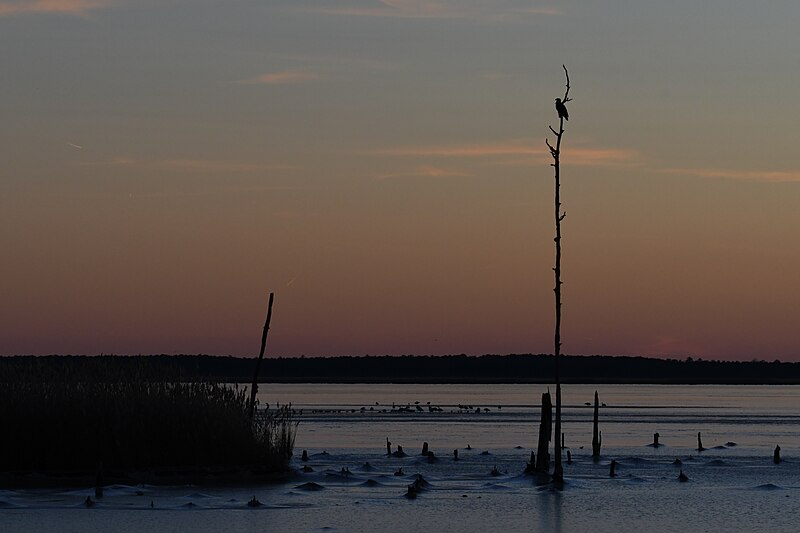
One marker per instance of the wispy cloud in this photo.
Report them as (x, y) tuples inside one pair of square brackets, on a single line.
[(284, 77), (443, 9), (743, 175), (192, 165), (63, 7), (425, 171), (517, 152)]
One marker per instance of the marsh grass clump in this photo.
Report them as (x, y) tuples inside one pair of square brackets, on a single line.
[(132, 416)]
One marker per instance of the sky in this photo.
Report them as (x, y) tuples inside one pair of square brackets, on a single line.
[(380, 165)]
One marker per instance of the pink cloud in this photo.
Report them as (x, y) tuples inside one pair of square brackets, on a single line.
[(65, 7), (444, 9), (426, 171), (285, 77), (519, 152), (744, 175)]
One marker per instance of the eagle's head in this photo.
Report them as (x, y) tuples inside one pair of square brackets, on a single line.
[(558, 100)]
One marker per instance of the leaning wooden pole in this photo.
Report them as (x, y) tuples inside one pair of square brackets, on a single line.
[(555, 151), (254, 388)]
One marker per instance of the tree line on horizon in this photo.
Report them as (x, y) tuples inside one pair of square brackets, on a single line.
[(512, 368)]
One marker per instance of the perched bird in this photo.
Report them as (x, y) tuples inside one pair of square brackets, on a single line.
[(562, 109)]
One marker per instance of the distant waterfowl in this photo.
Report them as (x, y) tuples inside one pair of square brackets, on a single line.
[(254, 503), (88, 502), (399, 472), (307, 469), (677, 462), (682, 477), (495, 471)]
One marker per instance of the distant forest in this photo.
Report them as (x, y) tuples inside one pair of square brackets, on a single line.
[(413, 369)]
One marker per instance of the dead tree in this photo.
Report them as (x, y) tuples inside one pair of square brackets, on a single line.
[(254, 389), (555, 152)]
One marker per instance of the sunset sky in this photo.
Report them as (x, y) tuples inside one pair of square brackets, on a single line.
[(381, 166)]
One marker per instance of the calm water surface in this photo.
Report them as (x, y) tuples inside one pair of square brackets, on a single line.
[(730, 488)]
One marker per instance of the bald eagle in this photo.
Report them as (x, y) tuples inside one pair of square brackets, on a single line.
[(562, 109)]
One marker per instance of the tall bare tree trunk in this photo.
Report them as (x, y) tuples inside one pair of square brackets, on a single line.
[(555, 151)]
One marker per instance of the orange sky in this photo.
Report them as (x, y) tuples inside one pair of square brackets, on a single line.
[(381, 167)]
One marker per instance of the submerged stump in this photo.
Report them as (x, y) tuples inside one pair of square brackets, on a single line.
[(597, 436), (545, 434)]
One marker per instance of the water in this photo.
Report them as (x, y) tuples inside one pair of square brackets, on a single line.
[(730, 487)]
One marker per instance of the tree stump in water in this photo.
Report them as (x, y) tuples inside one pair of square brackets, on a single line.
[(545, 434), (597, 436), (700, 447), (776, 457)]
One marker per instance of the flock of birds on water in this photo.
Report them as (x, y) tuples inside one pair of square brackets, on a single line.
[(416, 407)]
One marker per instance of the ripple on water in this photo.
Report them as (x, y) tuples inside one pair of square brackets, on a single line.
[(767, 487), (310, 486), (9, 505)]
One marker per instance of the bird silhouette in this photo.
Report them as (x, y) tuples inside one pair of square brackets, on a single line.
[(562, 109)]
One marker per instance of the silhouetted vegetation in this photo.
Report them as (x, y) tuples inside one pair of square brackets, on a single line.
[(122, 414)]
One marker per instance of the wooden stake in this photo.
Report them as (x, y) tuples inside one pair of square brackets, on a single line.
[(254, 388), (597, 439), (545, 434)]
